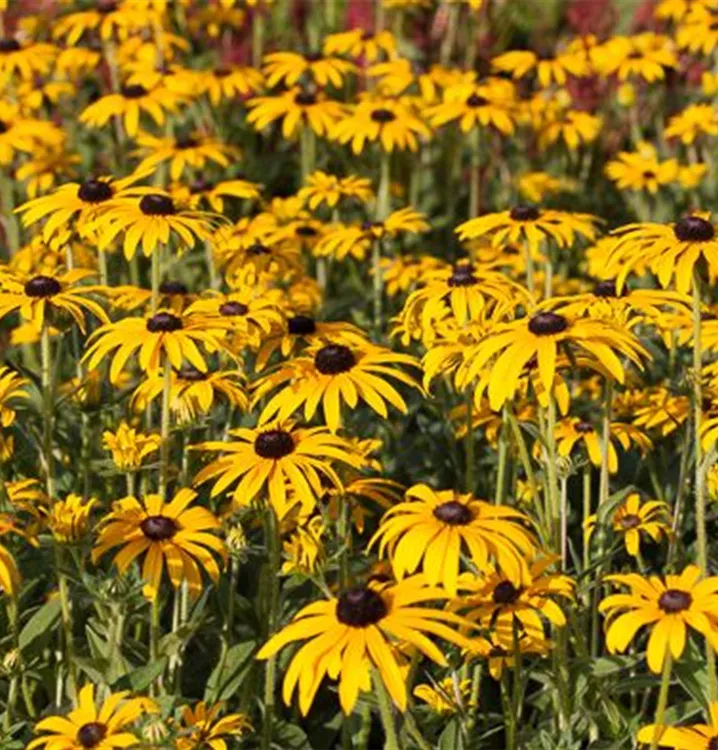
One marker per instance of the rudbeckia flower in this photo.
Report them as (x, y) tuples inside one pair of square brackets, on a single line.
[(670, 250), (540, 336), (698, 30), (572, 126), (159, 338), (328, 189), (493, 600), (214, 193), (129, 103), (389, 122), (228, 82), (437, 527), (634, 517), (694, 121), (47, 165), (129, 447), (184, 152), (164, 532), (645, 56), (12, 387), (491, 102), (89, 726), (289, 67), (531, 225), (9, 573), (441, 698), (68, 520), (335, 374), (348, 636), (670, 606), (693, 737), (641, 170), (550, 70), (297, 108), (77, 204), (357, 44), (26, 58), (204, 726), (24, 134), (149, 221), (192, 393), (275, 458), (35, 296)]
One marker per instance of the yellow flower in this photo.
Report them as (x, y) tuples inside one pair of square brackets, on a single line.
[(304, 549), (327, 189), (550, 70), (24, 134), (202, 726), (359, 44), (230, 82), (214, 193), (668, 607), (645, 56), (25, 58), (536, 186), (389, 122), (129, 447), (297, 108), (698, 30), (438, 527), (69, 519), (696, 737), (347, 636), (442, 696), (12, 387), (641, 170), (289, 67), (165, 532), (491, 102), (694, 121), (9, 573)]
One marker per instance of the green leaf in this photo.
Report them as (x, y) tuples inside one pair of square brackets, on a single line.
[(450, 738), (139, 679), (290, 737), (40, 625), (228, 675), (608, 665)]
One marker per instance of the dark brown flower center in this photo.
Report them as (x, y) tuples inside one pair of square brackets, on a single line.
[(629, 521), (164, 322), (476, 101), (361, 607), (106, 6), (94, 191), (606, 288), (547, 323), (258, 249), (4, 127), (135, 91), (583, 427), (301, 325), (305, 99), (187, 372), (453, 513), (42, 286), (713, 744), (173, 287), (333, 359), (90, 735), (157, 205), (9, 45), (693, 229), (304, 230), (383, 115), (674, 600), (159, 528), (505, 593), (222, 72), (649, 175), (462, 275), (186, 141), (524, 213), (233, 308), (273, 444)]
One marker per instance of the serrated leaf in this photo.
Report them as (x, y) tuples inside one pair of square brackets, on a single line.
[(40, 624)]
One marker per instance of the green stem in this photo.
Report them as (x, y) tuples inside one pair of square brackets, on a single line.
[(509, 723), (469, 444), (12, 615), (66, 617), (165, 429), (475, 184), (156, 686), (156, 274), (529, 263), (551, 457), (702, 538), (308, 148), (386, 711), (500, 493), (271, 528), (48, 407), (344, 533), (586, 512), (662, 698), (517, 696), (7, 201), (364, 728), (257, 36), (382, 211)]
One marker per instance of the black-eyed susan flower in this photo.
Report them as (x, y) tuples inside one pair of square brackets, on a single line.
[(68, 520), (228, 82), (129, 447), (491, 102), (37, 297), (548, 70), (277, 458), (323, 189), (357, 43), (25, 58), (636, 516), (692, 123), (437, 527), (332, 375), (304, 549), (159, 338), (214, 193), (698, 30), (203, 726), (150, 220), (690, 737), (9, 573), (347, 636), (492, 599), (108, 19), (671, 606), (537, 186), (642, 170), (100, 727), (391, 123), (193, 393), (21, 134), (47, 165), (402, 273), (297, 108), (77, 204), (647, 56), (441, 697), (167, 533), (500, 652), (129, 103), (184, 152), (12, 389), (289, 67), (531, 225), (572, 127)]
